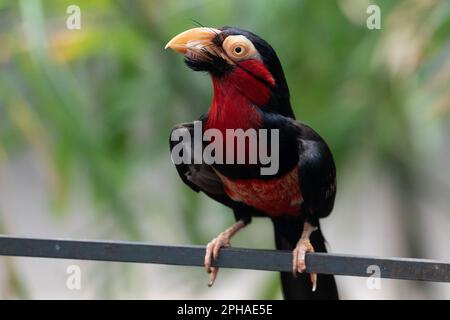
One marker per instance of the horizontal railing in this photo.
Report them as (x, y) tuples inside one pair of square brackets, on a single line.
[(256, 259)]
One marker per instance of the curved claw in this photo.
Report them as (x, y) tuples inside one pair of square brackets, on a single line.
[(213, 276), (313, 277)]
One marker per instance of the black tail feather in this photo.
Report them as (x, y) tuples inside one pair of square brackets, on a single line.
[(287, 233)]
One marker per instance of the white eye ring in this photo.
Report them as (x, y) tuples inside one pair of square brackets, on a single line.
[(239, 48)]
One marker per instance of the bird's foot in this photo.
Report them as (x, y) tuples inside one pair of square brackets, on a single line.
[(213, 249), (299, 263)]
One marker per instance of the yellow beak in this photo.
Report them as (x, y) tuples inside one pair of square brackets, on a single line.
[(192, 39)]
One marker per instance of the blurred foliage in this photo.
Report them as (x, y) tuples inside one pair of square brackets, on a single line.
[(96, 105)]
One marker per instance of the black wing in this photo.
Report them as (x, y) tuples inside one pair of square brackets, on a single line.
[(317, 174), (202, 177)]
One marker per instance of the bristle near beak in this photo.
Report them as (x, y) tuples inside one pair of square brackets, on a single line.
[(194, 39)]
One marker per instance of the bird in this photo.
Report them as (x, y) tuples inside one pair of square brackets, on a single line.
[(250, 92)]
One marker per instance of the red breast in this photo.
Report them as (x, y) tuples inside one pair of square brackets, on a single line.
[(276, 196)]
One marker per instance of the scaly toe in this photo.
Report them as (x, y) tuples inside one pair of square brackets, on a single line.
[(209, 251), (299, 255), (212, 252)]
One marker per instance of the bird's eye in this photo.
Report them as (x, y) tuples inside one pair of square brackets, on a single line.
[(239, 48)]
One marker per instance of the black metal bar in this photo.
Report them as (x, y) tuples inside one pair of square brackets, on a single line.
[(269, 260)]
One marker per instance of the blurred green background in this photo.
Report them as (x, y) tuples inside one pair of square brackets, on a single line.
[(85, 117)]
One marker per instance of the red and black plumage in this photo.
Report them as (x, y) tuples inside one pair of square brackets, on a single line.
[(252, 93)]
